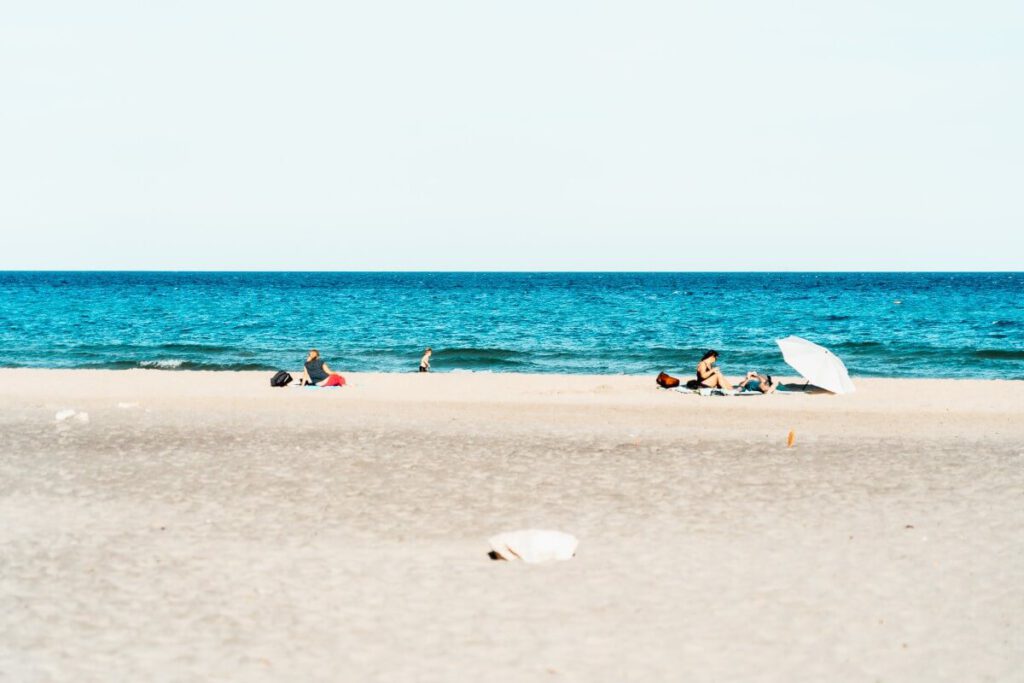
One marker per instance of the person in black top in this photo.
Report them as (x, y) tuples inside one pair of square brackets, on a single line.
[(317, 372), (710, 376)]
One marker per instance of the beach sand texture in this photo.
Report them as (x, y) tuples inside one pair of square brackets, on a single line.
[(203, 526)]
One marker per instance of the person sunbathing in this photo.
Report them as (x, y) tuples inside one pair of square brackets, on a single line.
[(755, 381), (708, 375), (318, 372)]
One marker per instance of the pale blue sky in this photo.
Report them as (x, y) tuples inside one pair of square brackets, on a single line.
[(527, 135)]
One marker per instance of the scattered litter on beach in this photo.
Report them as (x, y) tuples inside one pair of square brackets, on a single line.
[(69, 414), (533, 545), (790, 439)]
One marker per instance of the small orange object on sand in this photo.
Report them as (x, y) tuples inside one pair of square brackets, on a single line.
[(790, 439)]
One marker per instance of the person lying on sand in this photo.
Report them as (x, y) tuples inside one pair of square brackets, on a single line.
[(754, 381), (708, 375), (317, 372)]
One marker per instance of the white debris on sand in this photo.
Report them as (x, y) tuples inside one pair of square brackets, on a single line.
[(534, 545), (70, 413)]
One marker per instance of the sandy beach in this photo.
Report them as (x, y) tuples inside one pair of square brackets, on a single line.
[(204, 526)]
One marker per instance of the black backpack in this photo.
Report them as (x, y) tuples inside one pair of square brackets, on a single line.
[(281, 379)]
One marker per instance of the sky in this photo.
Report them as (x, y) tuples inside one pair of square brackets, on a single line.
[(550, 135)]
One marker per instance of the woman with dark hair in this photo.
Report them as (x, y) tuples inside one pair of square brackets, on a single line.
[(710, 376), (317, 372)]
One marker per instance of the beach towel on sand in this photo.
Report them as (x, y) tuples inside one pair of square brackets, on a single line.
[(332, 381), (706, 391)]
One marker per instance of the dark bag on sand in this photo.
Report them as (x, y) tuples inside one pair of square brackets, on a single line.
[(666, 381), (281, 379), (692, 384)]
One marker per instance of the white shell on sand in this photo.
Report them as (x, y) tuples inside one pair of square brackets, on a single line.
[(534, 545)]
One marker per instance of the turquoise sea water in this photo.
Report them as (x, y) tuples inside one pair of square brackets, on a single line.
[(882, 324)]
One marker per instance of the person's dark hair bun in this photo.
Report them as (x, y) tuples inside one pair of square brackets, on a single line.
[(709, 354)]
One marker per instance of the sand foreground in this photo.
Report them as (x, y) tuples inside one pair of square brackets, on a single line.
[(203, 526)]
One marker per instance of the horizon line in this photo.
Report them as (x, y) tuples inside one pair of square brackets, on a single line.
[(502, 271)]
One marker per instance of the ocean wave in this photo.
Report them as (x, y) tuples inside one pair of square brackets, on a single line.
[(857, 345), (186, 347), (999, 354), (163, 363), (171, 348), (413, 352), (481, 357), (475, 350), (175, 364)]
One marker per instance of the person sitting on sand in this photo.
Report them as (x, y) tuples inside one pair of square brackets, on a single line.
[(425, 361), (317, 372), (708, 375), (755, 381)]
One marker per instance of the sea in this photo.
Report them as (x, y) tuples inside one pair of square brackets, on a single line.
[(950, 325)]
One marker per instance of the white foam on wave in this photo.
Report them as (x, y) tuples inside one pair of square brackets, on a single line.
[(165, 363)]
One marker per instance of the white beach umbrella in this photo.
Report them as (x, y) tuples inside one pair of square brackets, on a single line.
[(816, 364)]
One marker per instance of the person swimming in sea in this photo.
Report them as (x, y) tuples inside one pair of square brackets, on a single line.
[(709, 376), (317, 371), (425, 360)]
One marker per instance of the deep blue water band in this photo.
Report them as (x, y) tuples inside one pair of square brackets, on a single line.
[(882, 324)]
